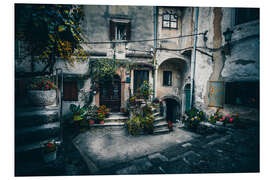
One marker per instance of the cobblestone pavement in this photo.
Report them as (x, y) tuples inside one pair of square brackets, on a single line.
[(179, 152), (235, 151)]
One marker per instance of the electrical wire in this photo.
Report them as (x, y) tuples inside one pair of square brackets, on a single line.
[(142, 40)]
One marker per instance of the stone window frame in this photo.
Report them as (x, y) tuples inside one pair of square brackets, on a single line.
[(169, 20), (115, 29), (167, 80)]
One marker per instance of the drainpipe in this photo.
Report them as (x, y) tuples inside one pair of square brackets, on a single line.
[(154, 53), (193, 58)]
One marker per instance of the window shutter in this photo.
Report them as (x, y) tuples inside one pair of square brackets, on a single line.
[(70, 91), (128, 28), (112, 30)]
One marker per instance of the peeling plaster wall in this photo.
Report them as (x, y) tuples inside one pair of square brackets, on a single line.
[(241, 65)]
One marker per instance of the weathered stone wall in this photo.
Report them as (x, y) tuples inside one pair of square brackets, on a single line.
[(241, 65)]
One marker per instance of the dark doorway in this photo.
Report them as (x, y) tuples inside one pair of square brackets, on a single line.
[(173, 110), (110, 93)]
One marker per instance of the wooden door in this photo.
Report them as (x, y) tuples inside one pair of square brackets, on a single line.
[(110, 94)]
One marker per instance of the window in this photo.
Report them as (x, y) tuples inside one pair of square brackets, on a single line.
[(242, 93), (139, 77), (70, 91), (169, 20), (120, 29), (167, 78), (243, 15)]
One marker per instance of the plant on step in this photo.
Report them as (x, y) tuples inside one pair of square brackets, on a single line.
[(215, 117), (78, 112), (92, 114), (50, 146), (134, 125), (102, 111), (193, 117), (147, 119)]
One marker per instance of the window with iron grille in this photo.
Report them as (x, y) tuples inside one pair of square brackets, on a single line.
[(70, 91), (167, 78), (169, 20), (243, 15), (120, 30)]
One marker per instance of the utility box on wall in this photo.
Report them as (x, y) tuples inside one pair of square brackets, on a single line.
[(216, 93)]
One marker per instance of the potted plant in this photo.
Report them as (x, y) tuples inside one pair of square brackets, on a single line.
[(102, 111), (78, 112), (41, 91), (49, 151), (91, 114)]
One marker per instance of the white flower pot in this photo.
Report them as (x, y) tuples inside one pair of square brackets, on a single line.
[(49, 157), (41, 98)]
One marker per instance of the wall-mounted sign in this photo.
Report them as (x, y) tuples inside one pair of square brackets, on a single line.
[(216, 93), (127, 79)]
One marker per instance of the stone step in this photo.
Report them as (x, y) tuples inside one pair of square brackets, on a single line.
[(108, 124), (161, 124), (35, 119), (116, 118), (34, 134), (37, 146), (156, 114), (158, 119), (162, 131)]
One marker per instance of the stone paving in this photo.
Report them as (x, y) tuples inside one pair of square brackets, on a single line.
[(113, 151)]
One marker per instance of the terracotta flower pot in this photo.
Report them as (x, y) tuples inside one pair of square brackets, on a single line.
[(170, 125), (92, 121), (101, 122)]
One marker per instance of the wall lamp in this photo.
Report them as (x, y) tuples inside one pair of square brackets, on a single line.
[(228, 37)]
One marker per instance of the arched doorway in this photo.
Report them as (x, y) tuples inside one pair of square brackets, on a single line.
[(172, 109), (110, 93)]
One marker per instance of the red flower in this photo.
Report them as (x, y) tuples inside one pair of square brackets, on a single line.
[(49, 145), (231, 120)]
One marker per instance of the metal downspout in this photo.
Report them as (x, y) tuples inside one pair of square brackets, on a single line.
[(193, 58), (154, 53)]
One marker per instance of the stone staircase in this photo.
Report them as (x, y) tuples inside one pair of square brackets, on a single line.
[(34, 126), (160, 123), (115, 119)]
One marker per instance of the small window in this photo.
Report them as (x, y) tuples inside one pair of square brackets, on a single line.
[(167, 78), (70, 91), (120, 30), (243, 15), (169, 20)]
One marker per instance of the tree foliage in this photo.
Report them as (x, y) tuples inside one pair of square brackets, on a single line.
[(50, 30)]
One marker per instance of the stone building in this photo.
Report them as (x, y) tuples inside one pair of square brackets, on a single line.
[(160, 41)]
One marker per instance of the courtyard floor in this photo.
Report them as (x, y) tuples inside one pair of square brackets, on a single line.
[(112, 151)]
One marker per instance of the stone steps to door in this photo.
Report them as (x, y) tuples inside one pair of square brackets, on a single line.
[(37, 133)]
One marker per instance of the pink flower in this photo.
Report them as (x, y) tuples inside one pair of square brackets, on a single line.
[(227, 116), (221, 119), (231, 120)]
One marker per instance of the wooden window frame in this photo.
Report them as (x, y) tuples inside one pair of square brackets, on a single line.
[(170, 20), (167, 78), (113, 29), (70, 90)]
